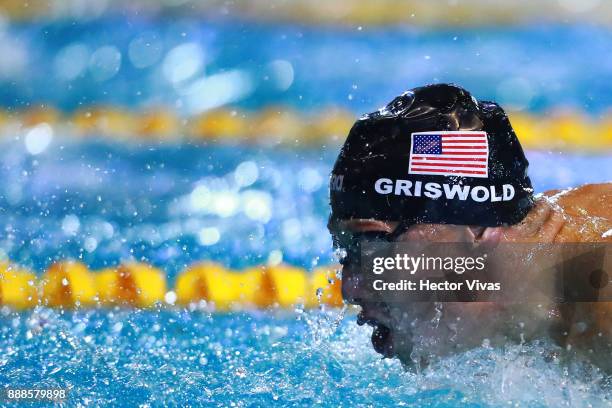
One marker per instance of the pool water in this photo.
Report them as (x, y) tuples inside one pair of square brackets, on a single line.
[(171, 205), (146, 358)]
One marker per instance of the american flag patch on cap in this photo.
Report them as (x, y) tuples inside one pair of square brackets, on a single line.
[(450, 153)]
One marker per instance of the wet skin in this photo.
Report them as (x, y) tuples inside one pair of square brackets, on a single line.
[(422, 330)]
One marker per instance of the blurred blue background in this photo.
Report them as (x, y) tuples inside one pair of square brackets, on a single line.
[(193, 65)]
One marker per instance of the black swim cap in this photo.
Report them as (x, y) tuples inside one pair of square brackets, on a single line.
[(434, 154)]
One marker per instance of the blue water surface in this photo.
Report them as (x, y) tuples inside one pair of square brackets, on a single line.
[(178, 358)]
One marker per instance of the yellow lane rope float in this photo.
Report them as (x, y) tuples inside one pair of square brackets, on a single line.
[(18, 287), (70, 284), (556, 130), (136, 284)]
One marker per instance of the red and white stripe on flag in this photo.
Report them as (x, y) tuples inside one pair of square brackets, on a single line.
[(450, 153)]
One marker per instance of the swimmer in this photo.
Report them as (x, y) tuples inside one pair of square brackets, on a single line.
[(437, 165)]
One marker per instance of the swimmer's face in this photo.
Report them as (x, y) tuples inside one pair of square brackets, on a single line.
[(395, 329)]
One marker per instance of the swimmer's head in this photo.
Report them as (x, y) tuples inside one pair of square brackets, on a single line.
[(435, 164), (433, 155)]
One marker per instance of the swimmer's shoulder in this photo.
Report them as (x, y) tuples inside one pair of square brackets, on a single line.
[(586, 200), (587, 210)]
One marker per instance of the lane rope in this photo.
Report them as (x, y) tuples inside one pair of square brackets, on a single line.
[(70, 284), (554, 131)]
